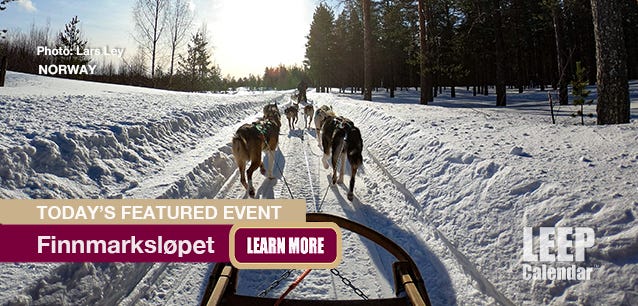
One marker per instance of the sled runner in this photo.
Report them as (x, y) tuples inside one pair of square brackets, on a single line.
[(408, 283)]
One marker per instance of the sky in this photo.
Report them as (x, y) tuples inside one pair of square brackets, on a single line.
[(245, 35)]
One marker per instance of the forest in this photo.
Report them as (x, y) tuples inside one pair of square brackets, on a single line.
[(483, 44), (461, 42)]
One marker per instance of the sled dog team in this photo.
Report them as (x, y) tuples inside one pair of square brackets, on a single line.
[(336, 136), (292, 112)]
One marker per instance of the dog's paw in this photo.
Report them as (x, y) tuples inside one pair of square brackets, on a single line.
[(324, 160), (251, 192), (340, 180), (334, 181), (350, 196)]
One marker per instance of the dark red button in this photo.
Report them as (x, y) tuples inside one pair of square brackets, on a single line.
[(286, 245)]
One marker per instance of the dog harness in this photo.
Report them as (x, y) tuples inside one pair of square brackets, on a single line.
[(262, 128), (342, 123)]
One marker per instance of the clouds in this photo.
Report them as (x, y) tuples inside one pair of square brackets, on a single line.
[(26, 5)]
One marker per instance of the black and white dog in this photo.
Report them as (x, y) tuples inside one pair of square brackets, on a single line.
[(321, 114), (340, 137)]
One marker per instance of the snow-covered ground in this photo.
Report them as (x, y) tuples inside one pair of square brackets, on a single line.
[(453, 183)]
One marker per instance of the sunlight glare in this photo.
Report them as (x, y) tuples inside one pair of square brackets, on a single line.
[(248, 35)]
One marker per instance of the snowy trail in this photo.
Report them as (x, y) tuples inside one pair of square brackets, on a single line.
[(378, 196), (301, 172), (452, 183), (366, 265)]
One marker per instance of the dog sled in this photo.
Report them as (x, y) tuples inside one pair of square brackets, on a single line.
[(408, 283)]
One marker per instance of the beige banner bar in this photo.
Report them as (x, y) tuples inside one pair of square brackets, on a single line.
[(150, 211)]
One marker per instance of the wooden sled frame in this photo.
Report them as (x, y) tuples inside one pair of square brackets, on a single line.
[(222, 284)]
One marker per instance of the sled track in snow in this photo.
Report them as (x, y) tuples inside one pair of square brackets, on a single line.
[(298, 169), (321, 202), (182, 271), (470, 268), (159, 272), (294, 169), (150, 285)]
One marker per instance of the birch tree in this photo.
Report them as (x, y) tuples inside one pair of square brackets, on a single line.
[(180, 20), (150, 23)]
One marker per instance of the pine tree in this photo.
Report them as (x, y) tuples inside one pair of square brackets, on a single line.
[(448, 65), (367, 50), (579, 84), (355, 44), (3, 4), (613, 90), (71, 39), (556, 11), (342, 50), (197, 67), (348, 36), (395, 37), (499, 56), (424, 72), (320, 46), (3, 36)]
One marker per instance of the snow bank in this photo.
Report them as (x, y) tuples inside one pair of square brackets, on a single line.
[(57, 144), (481, 174), (72, 139)]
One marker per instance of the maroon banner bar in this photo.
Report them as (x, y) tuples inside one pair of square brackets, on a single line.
[(285, 245), (114, 243)]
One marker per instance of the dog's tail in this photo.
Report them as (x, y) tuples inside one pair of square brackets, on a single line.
[(354, 147), (240, 147)]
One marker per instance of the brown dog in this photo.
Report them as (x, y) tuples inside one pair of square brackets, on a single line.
[(272, 111), (339, 137), (308, 112), (248, 143), (292, 115)]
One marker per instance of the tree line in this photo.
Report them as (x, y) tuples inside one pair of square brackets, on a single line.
[(478, 44), (163, 29)]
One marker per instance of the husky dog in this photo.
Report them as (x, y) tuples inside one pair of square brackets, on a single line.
[(248, 143), (271, 111), (271, 107), (308, 112), (292, 115), (321, 114), (339, 137)]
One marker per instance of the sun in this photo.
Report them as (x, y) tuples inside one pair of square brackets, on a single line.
[(249, 35)]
